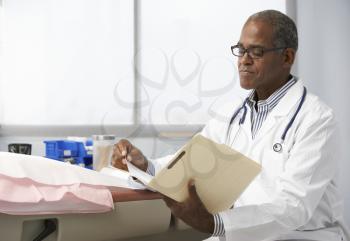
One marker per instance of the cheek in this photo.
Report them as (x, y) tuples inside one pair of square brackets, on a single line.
[(260, 72), (269, 68)]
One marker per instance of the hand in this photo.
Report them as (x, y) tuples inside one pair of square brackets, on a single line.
[(192, 211), (124, 151)]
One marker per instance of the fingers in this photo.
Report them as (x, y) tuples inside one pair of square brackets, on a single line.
[(192, 211), (192, 191), (119, 154), (135, 156), (168, 201), (124, 151), (124, 147), (175, 207), (193, 197)]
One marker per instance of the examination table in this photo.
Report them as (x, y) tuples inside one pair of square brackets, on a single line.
[(138, 215), (37, 203)]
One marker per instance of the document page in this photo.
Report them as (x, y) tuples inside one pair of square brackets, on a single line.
[(142, 176), (127, 177)]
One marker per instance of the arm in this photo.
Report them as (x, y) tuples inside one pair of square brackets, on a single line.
[(297, 191), (192, 211)]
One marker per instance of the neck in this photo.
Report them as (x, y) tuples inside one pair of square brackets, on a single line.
[(263, 94)]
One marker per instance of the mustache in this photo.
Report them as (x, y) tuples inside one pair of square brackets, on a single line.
[(245, 70)]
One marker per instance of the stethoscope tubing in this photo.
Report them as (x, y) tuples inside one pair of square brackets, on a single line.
[(277, 147), (291, 121)]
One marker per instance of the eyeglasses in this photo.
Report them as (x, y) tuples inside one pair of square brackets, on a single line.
[(253, 52)]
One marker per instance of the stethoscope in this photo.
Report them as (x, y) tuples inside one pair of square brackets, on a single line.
[(277, 147)]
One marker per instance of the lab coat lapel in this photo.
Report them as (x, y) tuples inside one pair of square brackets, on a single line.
[(283, 108)]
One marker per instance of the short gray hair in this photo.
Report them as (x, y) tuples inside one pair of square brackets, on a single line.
[(284, 29)]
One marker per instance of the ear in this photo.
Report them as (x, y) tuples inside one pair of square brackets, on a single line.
[(288, 57)]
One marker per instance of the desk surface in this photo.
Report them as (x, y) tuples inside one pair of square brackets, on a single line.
[(120, 194)]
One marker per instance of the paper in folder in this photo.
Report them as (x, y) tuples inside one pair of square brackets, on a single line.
[(220, 174)]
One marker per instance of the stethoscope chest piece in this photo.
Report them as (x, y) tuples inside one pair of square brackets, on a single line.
[(277, 147)]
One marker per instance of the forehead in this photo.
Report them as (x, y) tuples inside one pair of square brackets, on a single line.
[(256, 33)]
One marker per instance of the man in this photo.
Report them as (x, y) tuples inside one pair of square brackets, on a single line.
[(289, 131)]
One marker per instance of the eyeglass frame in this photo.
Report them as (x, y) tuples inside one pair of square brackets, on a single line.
[(248, 50)]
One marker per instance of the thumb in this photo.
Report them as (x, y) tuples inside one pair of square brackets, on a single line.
[(192, 190)]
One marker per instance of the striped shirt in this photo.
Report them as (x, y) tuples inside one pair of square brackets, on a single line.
[(260, 109), (258, 116), (150, 169)]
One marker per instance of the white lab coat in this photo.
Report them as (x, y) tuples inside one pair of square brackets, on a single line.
[(296, 194)]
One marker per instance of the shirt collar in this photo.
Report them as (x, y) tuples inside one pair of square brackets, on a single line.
[(273, 99)]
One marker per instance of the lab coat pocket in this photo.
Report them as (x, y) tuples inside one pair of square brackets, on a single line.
[(273, 163), (272, 166)]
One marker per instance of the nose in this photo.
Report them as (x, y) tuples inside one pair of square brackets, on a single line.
[(245, 59)]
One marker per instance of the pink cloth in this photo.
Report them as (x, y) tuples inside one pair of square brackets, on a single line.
[(38, 185), (23, 196)]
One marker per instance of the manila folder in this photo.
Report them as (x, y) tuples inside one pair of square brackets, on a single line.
[(220, 174)]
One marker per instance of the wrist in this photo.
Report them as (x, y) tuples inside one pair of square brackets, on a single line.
[(206, 225), (211, 224)]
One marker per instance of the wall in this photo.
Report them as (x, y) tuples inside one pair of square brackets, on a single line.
[(62, 60), (185, 66), (323, 63)]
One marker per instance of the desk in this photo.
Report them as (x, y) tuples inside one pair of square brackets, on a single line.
[(120, 194)]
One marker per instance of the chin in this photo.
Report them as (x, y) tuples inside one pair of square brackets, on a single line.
[(246, 84)]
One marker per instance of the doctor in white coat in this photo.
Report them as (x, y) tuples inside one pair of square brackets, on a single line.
[(282, 126)]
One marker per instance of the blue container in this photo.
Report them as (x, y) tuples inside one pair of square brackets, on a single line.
[(73, 151), (83, 157), (60, 149)]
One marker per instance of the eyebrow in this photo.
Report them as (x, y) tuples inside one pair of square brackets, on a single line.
[(250, 46)]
